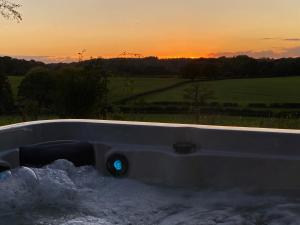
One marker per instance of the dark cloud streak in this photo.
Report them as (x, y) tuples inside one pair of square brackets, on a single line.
[(292, 39), (283, 53), (269, 39), (280, 39), (45, 59)]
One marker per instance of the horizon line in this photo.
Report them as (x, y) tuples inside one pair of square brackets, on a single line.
[(69, 59)]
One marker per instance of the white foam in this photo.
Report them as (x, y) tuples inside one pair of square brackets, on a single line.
[(63, 194)]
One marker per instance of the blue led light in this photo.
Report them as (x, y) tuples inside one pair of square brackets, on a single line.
[(118, 165)]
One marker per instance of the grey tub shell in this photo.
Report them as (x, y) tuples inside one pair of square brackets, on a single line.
[(224, 157)]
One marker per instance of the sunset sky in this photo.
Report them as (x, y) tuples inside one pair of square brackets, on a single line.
[(56, 30)]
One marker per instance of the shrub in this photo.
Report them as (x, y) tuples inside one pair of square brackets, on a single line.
[(81, 92), (6, 96), (285, 105), (37, 89)]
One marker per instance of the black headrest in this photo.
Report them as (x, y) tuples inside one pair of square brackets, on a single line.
[(79, 153), (4, 167)]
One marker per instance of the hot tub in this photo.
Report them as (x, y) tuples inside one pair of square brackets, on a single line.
[(169, 154)]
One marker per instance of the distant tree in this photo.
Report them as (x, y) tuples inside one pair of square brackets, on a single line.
[(6, 96), (9, 10), (17, 67), (81, 92), (95, 68), (191, 70), (198, 95), (37, 92), (244, 66)]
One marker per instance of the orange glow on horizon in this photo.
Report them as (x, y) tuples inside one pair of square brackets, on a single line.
[(74, 58), (52, 31)]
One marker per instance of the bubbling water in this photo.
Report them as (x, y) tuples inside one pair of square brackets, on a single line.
[(62, 194)]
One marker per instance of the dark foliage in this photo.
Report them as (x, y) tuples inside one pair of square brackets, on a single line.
[(200, 69), (240, 67), (81, 92), (9, 10), (16, 67), (207, 110), (37, 90), (70, 92), (6, 96)]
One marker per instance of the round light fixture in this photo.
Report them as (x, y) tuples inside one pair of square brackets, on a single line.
[(117, 165)]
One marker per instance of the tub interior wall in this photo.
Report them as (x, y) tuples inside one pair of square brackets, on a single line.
[(224, 140), (224, 156)]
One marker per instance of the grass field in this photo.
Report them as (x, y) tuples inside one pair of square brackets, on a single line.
[(5, 120), (243, 91), (119, 87), (125, 87), (15, 81)]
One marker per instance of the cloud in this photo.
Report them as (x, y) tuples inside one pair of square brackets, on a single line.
[(268, 53), (291, 39), (282, 53), (50, 59), (269, 38), (46, 59), (280, 39)]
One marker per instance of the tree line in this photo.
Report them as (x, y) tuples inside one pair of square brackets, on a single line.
[(17, 67), (240, 67), (202, 68)]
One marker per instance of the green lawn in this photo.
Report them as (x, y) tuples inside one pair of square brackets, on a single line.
[(243, 91), (15, 82), (120, 87), (6, 120), (125, 87)]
